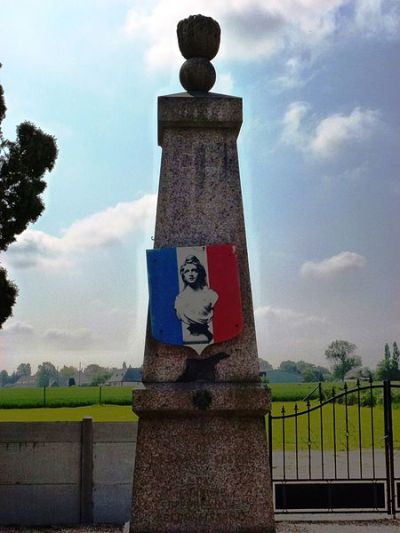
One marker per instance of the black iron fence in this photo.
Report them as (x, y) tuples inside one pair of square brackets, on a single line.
[(338, 454)]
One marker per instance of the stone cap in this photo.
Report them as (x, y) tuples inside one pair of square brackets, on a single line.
[(202, 399), (203, 110)]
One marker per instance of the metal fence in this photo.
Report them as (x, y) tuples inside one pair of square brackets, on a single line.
[(337, 454)]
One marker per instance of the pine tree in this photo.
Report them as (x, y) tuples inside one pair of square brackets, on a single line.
[(387, 352), (388, 368)]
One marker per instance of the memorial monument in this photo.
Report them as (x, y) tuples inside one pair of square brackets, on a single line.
[(201, 456)]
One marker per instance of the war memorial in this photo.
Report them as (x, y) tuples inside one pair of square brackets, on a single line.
[(201, 457)]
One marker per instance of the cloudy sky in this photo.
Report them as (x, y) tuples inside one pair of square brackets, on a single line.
[(319, 165)]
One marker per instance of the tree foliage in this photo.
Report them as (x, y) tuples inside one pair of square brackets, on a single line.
[(24, 369), (264, 364), (309, 371), (289, 366), (3, 378), (100, 377), (23, 163), (68, 372), (388, 367), (340, 354), (46, 372)]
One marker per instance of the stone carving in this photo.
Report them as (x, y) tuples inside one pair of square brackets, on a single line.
[(198, 39)]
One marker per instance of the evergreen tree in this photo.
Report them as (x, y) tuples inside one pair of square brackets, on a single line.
[(388, 367), (23, 164), (396, 356), (387, 352)]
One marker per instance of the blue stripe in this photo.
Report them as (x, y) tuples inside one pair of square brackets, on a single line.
[(163, 274)]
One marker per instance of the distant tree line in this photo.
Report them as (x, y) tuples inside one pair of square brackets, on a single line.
[(342, 358), (93, 374), (340, 354)]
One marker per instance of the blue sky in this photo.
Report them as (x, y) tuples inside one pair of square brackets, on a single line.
[(318, 154)]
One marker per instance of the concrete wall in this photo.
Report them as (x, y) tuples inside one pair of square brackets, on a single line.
[(66, 472)]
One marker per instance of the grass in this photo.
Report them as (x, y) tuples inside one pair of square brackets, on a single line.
[(115, 413), (327, 422), (73, 403), (99, 413), (11, 398)]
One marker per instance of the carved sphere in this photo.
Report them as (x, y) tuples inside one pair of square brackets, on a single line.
[(197, 75), (198, 36)]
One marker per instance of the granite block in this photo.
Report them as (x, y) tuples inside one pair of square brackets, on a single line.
[(202, 474)]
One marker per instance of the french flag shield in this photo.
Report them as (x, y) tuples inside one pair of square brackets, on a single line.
[(194, 295)]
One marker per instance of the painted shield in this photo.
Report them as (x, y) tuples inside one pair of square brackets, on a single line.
[(194, 295)]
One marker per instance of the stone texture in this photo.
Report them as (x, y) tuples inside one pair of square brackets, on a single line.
[(243, 399), (202, 474), (197, 74), (198, 36), (201, 456), (200, 202)]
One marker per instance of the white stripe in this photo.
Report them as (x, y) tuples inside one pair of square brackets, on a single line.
[(181, 254)]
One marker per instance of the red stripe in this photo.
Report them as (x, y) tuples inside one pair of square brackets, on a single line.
[(223, 277)]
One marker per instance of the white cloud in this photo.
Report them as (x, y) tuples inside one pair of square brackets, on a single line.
[(332, 266), (332, 135), (374, 17), (62, 339), (36, 248), (19, 329), (335, 132), (284, 333), (287, 317), (252, 29), (293, 129)]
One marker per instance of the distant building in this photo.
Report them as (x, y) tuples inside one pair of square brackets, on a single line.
[(131, 377), (25, 382), (280, 376), (358, 372)]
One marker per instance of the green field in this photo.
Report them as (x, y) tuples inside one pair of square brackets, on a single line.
[(327, 422), (72, 404), (11, 398), (115, 413)]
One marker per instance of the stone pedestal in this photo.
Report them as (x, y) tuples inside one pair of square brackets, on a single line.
[(201, 460)]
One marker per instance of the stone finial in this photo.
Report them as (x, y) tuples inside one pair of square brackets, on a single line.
[(198, 39)]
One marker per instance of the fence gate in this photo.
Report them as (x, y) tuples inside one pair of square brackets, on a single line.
[(340, 454)]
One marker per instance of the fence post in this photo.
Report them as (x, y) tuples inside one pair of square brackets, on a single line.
[(44, 396), (387, 408), (86, 514), (270, 443)]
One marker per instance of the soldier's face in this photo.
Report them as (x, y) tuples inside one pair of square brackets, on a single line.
[(190, 274)]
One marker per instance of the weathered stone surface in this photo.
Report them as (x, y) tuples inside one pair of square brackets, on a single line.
[(202, 474), (197, 74), (200, 202), (201, 457), (245, 399), (198, 36)]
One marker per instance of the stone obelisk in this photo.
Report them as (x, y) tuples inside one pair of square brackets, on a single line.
[(201, 457)]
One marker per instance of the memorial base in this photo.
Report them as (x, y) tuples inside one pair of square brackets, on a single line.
[(201, 460)]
